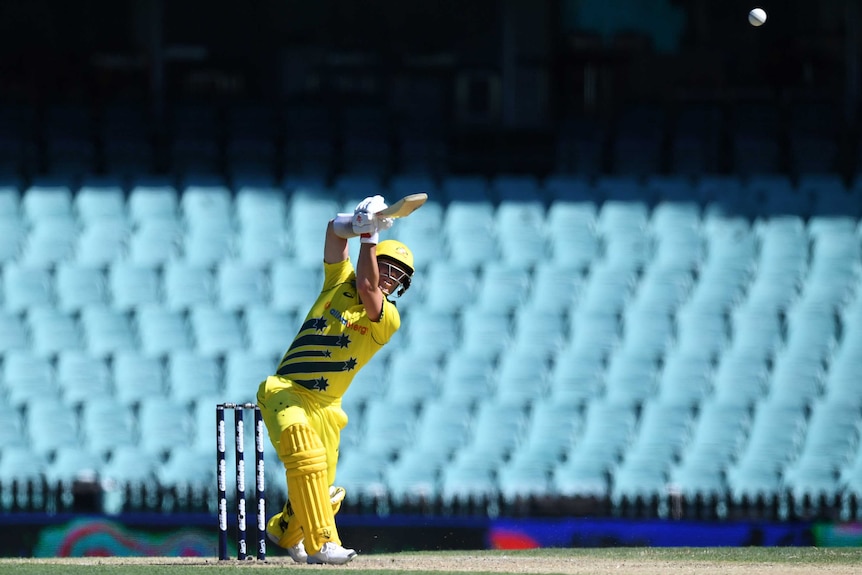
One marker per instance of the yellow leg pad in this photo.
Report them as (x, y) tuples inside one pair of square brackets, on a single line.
[(304, 460)]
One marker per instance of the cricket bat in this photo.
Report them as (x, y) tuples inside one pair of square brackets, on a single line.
[(404, 207)]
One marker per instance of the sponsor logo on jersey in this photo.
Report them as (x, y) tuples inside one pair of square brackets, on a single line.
[(355, 327)]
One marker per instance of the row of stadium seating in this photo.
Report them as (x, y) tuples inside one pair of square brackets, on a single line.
[(611, 338)]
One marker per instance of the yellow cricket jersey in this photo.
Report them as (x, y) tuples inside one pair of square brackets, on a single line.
[(335, 340)]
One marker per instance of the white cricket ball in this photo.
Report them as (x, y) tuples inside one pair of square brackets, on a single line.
[(757, 17)]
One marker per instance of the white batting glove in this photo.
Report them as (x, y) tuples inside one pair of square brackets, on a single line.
[(365, 221)]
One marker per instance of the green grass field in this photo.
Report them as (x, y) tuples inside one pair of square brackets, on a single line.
[(620, 561)]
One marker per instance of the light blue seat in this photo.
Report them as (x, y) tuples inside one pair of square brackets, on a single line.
[(126, 475), (69, 464), (153, 200), (585, 473), (741, 376), (647, 330), (269, 331), (163, 424), (466, 479), (596, 333), (162, 331), (191, 375), (485, 332), (551, 431), (718, 434), (631, 377), (241, 284), (51, 423), (189, 474), (756, 329), (369, 383), (502, 287), (521, 377), (842, 378), (413, 479), (796, 380), (662, 289), (261, 245), (50, 242), (607, 289), (448, 287), (106, 425), (14, 233), (155, 242), (699, 480), (133, 285), (663, 431), (436, 332), (187, 285), (19, 464), (78, 286), (27, 377), (442, 428), (538, 332), (47, 200), (362, 473), (526, 475), (413, 376), (466, 377), (99, 200), (243, 372), (82, 376), (216, 331), (207, 246), (639, 480), (469, 230), (519, 225), (549, 281), (107, 330), (294, 286), (102, 242), (576, 377), (137, 376), (257, 205), (685, 378), (208, 205), (388, 427), (53, 331), (13, 332), (10, 200)]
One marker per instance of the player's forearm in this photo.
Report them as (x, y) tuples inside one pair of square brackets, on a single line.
[(368, 280), (335, 247)]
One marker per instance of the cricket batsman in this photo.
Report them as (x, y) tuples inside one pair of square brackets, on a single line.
[(351, 320)]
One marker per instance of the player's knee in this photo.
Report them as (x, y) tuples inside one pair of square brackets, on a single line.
[(301, 450)]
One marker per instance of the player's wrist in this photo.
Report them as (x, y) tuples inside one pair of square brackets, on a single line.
[(370, 238)]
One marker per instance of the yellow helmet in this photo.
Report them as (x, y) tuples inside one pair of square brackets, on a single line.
[(397, 251)]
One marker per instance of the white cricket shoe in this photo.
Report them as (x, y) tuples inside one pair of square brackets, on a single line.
[(297, 553), (332, 554)]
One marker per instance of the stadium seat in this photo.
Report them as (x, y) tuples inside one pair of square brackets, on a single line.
[(81, 376), (53, 331), (448, 287), (216, 331), (155, 242), (187, 285), (413, 478), (388, 426), (77, 286), (502, 287), (576, 377), (106, 425), (466, 377), (72, 463), (133, 285), (163, 424), (50, 242), (156, 200), (100, 200), (47, 200), (63, 430), (243, 372), (521, 376), (191, 375), (13, 332), (107, 331), (162, 331), (207, 246), (268, 331), (294, 286), (102, 242), (240, 285), (432, 332), (413, 377)]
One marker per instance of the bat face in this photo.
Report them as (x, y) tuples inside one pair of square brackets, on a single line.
[(405, 206)]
